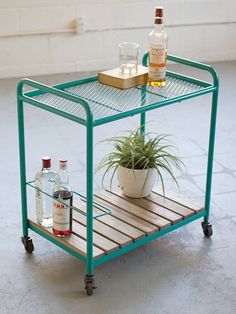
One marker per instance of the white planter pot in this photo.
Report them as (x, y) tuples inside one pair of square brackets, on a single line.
[(136, 183)]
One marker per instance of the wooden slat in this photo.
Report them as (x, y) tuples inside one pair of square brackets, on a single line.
[(104, 230), (130, 219), (99, 241), (134, 233), (122, 226), (152, 207), (135, 210), (185, 203), (73, 241), (175, 207)]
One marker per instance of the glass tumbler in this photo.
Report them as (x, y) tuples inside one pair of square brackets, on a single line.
[(128, 57)]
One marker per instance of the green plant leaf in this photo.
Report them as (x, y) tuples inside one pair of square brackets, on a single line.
[(138, 150)]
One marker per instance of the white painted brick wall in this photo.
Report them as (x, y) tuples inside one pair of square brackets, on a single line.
[(200, 29)]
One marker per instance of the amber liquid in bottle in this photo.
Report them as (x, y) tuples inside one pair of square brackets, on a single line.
[(160, 68), (157, 55)]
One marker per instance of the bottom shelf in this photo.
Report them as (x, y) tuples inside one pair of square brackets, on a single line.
[(131, 220)]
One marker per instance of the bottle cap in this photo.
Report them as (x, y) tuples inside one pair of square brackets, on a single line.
[(159, 12), (46, 162), (158, 20)]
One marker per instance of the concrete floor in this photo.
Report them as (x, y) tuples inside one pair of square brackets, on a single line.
[(183, 272)]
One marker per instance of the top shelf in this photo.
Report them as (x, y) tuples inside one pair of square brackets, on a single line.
[(87, 97)]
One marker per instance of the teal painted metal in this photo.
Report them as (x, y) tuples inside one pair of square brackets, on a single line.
[(145, 240), (62, 86), (188, 79), (89, 194), (214, 90), (187, 62), (211, 153), (53, 240), (143, 114), (59, 93), (22, 160), (40, 105), (142, 122), (197, 65), (90, 122)]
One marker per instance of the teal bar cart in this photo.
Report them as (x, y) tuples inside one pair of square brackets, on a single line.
[(108, 224)]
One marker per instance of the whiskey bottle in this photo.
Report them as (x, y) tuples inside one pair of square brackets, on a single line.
[(44, 182), (158, 40), (62, 212)]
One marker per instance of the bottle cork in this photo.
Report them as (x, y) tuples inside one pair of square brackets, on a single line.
[(159, 12)]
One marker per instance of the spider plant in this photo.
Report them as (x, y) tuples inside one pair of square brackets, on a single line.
[(139, 150)]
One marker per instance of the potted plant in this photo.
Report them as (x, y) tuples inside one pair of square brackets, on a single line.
[(139, 160)]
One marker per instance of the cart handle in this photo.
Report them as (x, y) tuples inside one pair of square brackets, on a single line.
[(191, 63), (56, 92)]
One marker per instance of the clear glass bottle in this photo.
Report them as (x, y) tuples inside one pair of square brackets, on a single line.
[(158, 40), (62, 213), (44, 181)]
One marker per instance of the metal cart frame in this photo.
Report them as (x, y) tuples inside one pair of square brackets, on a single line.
[(90, 123)]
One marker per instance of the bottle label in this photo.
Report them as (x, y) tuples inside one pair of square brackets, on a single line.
[(157, 55), (61, 215), (157, 62)]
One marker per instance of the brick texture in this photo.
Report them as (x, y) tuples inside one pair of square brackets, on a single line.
[(199, 29)]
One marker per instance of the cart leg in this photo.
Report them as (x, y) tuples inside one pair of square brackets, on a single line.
[(143, 114), (89, 277), (142, 122), (27, 242), (207, 227)]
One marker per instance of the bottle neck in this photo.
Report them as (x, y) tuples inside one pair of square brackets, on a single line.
[(158, 28), (64, 178)]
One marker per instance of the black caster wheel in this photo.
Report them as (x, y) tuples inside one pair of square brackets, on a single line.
[(89, 284), (28, 244), (207, 229)]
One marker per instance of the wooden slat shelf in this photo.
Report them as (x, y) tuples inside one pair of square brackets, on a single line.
[(98, 240), (74, 242), (104, 230), (152, 207), (116, 224), (131, 220), (136, 210)]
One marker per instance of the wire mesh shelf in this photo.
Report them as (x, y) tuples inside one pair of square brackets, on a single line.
[(106, 101)]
